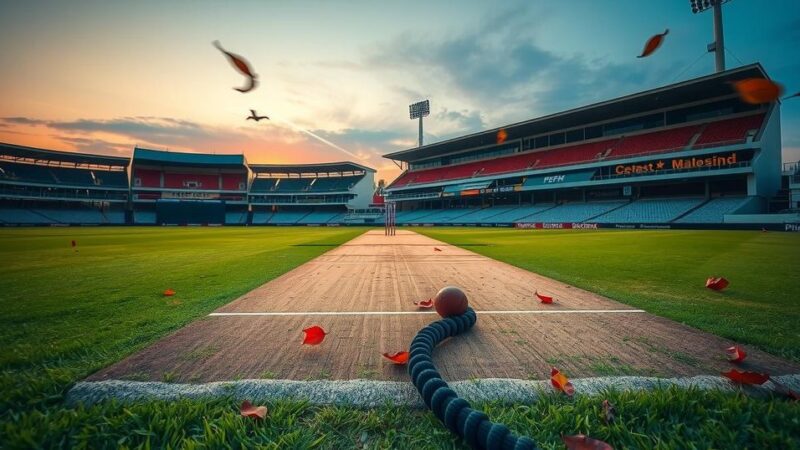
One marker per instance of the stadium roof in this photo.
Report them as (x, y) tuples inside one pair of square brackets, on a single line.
[(710, 86), (165, 158), (343, 166), (19, 151)]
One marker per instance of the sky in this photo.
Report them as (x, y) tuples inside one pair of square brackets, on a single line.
[(104, 76)]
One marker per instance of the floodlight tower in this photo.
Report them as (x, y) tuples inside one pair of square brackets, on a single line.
[(418, 111), (718, 46)]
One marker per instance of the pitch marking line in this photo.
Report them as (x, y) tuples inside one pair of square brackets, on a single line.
[(409, 313)]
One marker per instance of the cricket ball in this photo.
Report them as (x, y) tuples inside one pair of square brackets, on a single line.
[(450, 301)]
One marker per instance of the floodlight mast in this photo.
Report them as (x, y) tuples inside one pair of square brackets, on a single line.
[(418, 111), (718, 46)]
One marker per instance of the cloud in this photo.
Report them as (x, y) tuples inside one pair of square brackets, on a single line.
[(97, 146)]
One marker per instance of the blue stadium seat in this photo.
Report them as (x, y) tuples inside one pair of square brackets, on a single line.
[(650, 211), (713, 211)]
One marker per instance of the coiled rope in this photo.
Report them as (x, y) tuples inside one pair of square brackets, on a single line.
[(473, 426)]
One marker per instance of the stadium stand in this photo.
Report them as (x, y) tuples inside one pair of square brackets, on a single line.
[(660, 210), (236, 217), (288, 217), (575, 212), (713, 211)]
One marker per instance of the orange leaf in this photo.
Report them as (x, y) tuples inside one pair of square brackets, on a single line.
[(757, 90), (241, 65), (561, 382), (544, 299), (735, 354), (424, 304), (314, 335), (502, 135), (74, 243), (253, 412), (652, 44), (583, 442), (398, 358), (781, 388), (169, 293), (746, 377), (717, 283)]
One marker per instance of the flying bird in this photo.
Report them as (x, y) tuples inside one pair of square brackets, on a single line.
[(254, 116), (242, 66)]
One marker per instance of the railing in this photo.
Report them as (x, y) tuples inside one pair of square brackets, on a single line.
[(421, 195), (69, 195)]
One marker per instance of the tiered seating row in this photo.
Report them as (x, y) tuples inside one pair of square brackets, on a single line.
[(722, 132), (68, 176)]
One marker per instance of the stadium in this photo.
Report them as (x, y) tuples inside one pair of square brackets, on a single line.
[(688, 155), (619, 274)]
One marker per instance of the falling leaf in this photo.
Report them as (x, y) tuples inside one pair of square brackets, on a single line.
[(314, 335), (653, 43), (253, 412), (543, 298), (735, 354), (583, 442), (561, 382), (746, 377), (758, 90), (609, 412), (717, 283), (242, 66), (169, 293), (437, 249), (424, 304), (782, 389), (398, 358), (502, 135), (74, 243)]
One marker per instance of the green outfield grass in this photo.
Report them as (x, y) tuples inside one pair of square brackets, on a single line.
[(67, 313), (664, 272)]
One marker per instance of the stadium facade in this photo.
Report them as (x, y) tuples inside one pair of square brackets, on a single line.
[(44, 187), (687, 155)]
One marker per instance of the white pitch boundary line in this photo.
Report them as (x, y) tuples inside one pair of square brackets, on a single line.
[(410, 313)]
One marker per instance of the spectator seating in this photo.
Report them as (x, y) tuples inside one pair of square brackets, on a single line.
[(713, 211), (650, 211)]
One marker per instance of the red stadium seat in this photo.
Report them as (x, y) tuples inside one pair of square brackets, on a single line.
[(731, 131), (232, 182), (676, 138), (147, 178)]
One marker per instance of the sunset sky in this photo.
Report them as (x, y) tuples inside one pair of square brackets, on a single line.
[(103, 76)]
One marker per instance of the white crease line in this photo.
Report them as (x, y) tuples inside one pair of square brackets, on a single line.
[(409, 313)]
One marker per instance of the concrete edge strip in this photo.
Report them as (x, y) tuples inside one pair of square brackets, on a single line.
[(371, 393), (407, 313)]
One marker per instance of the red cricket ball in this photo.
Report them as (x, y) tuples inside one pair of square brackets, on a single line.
[(450, 301)]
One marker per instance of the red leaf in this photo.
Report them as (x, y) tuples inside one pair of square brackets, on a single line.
[(424, 304), (583, 442), (544, 299), (652, 44), (735, 354), (757, 90), (242, 66), (253, 412), (609, 412), (717, 283), (782, 389), (169, 293), (561, 382), (502, 135), (398, 358), (74, 243), (437, 249), (746, 377), (314, 335)]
